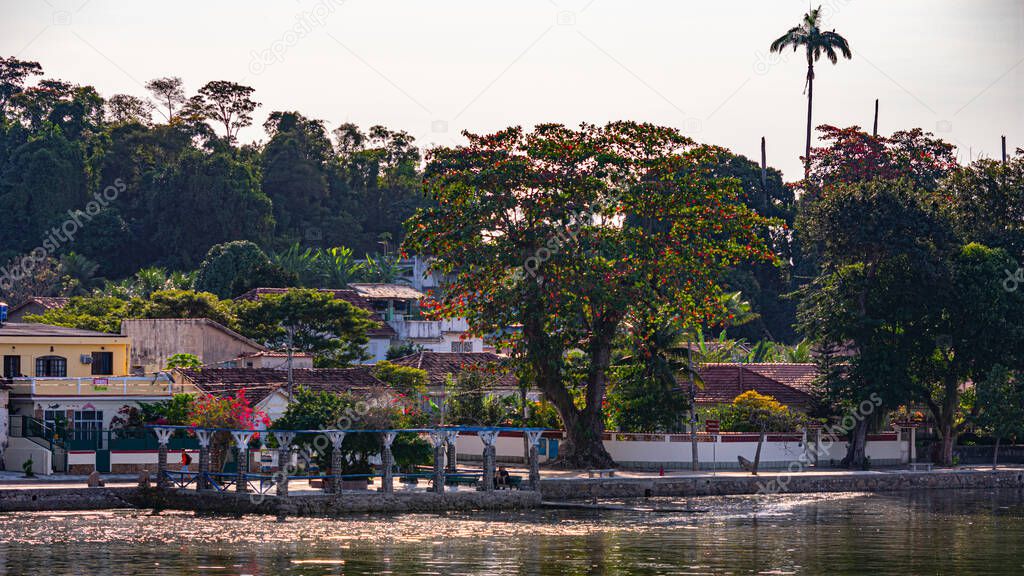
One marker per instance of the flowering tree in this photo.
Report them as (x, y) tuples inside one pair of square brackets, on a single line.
[(853, 156), (564, 232)]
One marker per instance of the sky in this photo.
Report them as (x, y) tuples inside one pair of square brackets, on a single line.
[(434, 69)]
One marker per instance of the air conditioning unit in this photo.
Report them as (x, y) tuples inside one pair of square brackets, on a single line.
[(85, 358)]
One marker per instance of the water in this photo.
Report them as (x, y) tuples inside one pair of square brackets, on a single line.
[(940, 532)]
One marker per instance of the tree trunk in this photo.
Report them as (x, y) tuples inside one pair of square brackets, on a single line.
[(946, 454), (584, 446), (855, 453), (757, 453), (947, 422), (995, 454), (810, 102)]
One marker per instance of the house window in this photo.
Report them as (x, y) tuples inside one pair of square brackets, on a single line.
[(87, 425), (102, 363), (12, 366), (54, 419), (460, 346), (51, 367)]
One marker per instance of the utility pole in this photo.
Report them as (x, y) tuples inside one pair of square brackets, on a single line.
[(291, 380), (1004, 149), (764, 168), (695, 456), (874, 132)]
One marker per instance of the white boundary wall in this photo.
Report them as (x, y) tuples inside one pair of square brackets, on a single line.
[(719, 451)]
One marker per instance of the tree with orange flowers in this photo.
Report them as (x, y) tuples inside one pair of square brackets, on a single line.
[(553, 237)]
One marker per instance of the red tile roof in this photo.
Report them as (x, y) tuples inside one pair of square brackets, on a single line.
[(261, 382), (440, 364), (791, 384), (46, 302)]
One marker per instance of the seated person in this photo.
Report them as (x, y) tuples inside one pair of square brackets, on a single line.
[(501, 478)]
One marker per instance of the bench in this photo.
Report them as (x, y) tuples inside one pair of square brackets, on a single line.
[(601, 473), (461, 480), (512, 482), (927, 466)]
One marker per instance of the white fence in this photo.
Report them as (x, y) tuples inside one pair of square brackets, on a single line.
[(715, 451)]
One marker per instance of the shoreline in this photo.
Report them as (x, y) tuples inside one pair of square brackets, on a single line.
[(40, 498)]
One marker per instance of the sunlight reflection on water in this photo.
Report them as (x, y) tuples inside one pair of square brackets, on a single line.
[(943, 531)]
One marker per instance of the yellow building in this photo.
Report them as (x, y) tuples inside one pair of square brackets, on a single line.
[(69, 384), (41, 351)]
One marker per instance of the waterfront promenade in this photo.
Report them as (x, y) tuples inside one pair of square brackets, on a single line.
[(121, 491)]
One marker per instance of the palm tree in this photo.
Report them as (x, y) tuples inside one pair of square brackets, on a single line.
[(815, 41), (338, 267), (79, 274)]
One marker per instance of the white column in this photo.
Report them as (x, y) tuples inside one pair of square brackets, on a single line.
[(284, 444), (163, 436), (204, 436), (450, 438), (387, 461), (533, 438), (437, 438), (489, 437), (337, 438), (242, 438)]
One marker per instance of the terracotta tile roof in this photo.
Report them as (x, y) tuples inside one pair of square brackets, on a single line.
[(439, 364), (387, 291), (790, 384), (275, 354), (382, 330), (45, 330), (46, 302), (261, 382)]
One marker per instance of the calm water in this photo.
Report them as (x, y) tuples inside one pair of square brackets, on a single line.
[(942, 532)]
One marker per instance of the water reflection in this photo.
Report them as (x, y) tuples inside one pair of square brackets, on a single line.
[(967, 532)]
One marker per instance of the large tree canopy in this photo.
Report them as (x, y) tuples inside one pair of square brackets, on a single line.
[(564, 231)]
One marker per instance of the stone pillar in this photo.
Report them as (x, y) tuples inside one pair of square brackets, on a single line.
[(203, 480), (163, 436), (387, 462), (817, 445), (533, 438), (489, 437), (284, 446), (450, 437), (337, 437), (437, 441), (242, 438)]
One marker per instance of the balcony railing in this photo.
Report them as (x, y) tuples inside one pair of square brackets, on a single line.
[(409, 329), (96, 386)]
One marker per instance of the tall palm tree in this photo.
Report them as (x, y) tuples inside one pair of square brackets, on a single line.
[(816, 42)]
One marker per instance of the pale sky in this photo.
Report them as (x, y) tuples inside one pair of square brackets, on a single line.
[(436, 68)]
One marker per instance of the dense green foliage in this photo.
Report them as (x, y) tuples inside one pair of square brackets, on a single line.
[(326, 411), (139, 193)]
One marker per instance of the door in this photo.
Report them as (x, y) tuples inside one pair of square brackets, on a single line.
[(103, 461)]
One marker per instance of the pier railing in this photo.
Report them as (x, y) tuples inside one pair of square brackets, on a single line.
[(444, 472)]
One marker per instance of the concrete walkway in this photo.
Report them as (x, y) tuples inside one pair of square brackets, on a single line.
[(16, 480)]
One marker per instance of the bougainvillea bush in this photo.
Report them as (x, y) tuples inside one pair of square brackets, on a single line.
[(231, 412)]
